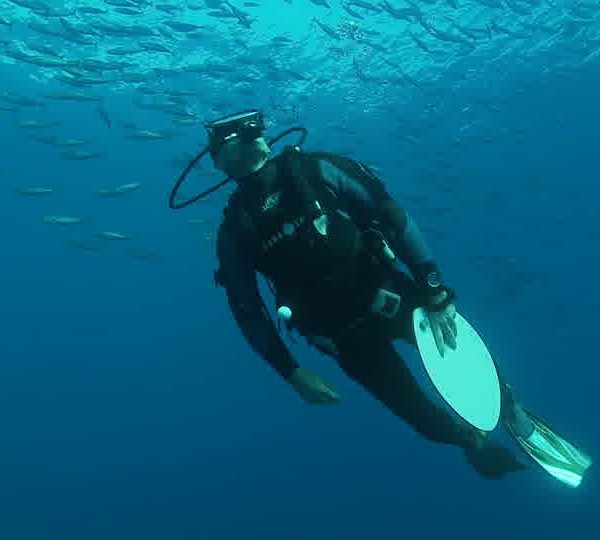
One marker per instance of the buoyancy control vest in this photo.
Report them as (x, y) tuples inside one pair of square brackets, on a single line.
[(305, 243)]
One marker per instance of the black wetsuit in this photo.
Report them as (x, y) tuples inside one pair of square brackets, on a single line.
[(365, 351)]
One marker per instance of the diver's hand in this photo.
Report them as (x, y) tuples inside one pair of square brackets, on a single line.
[(443, 325), (312, 388)]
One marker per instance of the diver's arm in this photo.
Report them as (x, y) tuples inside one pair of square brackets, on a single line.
[(413, 251), (370, 202), (410, 246), (237, 276)]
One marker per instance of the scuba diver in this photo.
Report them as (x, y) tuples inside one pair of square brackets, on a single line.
[(327, 236)]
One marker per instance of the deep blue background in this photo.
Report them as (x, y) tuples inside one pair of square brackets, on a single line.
[(130, 407)]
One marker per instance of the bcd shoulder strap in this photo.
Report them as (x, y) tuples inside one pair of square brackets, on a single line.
[(351, 167), (299, 170)]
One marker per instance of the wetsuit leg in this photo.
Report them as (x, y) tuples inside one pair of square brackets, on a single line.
[(368, 356), (377, 366)]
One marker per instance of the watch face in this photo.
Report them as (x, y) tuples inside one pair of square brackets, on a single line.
[(433, 279)]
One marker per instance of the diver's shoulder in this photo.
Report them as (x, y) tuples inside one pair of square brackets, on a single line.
[(232, 206)]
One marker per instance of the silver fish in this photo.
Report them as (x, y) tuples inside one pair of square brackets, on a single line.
[(82, 155), (148, 135), (36, 124), (33, 191), (119, 190), (70, 143), (62, 220), (110, 235)]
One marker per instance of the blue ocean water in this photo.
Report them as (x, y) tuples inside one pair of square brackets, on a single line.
[(131, 407)]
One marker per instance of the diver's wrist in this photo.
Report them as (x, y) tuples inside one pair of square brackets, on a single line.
[(440, 301), (427, 276), (438, 297)]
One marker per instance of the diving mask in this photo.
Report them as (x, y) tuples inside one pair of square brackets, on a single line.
[(246, 125)]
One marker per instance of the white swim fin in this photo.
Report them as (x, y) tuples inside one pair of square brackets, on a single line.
[(551, 451)]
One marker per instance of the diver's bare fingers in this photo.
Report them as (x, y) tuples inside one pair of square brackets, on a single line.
[(332, 396), (439, 339), (328, 399), (448, 337), (452, 325)]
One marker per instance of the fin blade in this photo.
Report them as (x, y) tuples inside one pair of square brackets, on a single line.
[(555, 454)]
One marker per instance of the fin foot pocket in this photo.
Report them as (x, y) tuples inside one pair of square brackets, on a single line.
[(492, 460)]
